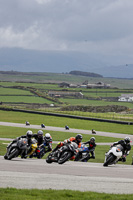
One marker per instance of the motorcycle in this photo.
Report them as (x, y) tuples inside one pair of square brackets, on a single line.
[(113, 155), (63, 154), (39, 151), (27, 123), (33, 147), (83, 154), (67, 127), (18, 148)]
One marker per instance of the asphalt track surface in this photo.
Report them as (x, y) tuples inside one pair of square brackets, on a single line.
[(35, 173)]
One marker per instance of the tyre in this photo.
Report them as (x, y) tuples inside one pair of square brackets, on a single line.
[(64, 157), (48, 160), (5, 157), (109, 160), (14, 153)]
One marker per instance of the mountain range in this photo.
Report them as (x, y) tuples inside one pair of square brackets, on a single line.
[(18, 59)]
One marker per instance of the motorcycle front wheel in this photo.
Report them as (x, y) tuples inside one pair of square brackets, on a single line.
[(109, 160), (64, 157), (14, 153)]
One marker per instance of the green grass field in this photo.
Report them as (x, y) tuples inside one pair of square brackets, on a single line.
[(24, 99), (20, 117), (19, 194)]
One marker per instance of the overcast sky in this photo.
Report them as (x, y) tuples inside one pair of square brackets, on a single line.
[(101, 27)]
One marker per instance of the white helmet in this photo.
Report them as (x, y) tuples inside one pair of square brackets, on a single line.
[(47, 137)]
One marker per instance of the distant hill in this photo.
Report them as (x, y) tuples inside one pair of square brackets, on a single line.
[(121, 71), (80, 73), (26, 60)]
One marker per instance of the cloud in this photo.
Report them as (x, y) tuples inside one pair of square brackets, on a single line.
[(103, 27)]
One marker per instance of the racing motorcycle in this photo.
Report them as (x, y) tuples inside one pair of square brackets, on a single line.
[(113, 155), (39, 151), (63, 154), (83, 154), (18, 148), (33, 147), (67, 127)]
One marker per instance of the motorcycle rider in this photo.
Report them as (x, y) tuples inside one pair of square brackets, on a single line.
[(29, 135), (91, 149), (126, 147), (47, 140), (76, 139)]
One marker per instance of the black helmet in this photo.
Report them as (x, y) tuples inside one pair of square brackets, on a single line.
[(78, 138), (127, 140), (47, 137), (92, 140), (40, 134), (29, 134)]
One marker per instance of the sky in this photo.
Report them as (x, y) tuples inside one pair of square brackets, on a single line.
[(103, 28)]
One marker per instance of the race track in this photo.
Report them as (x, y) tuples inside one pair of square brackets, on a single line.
[(33, 173)]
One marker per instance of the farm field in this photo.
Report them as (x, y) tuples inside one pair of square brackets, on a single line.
[(12, 96), (56, 78)]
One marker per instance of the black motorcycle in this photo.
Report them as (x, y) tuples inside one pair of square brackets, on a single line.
[(63, 154), (15, 149)]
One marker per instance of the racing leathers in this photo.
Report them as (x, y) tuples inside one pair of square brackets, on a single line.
[(42, 143), (60, 144)]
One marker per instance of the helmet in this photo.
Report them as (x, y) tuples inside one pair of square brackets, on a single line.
[(92, 140), (78, 138), (47, 137), (29, 134), (40, 134), (127, 140)]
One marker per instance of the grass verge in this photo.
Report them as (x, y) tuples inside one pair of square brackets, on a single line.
[(34, 194)]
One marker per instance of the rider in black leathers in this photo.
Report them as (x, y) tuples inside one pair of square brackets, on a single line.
[(42, 140), (126, 147)]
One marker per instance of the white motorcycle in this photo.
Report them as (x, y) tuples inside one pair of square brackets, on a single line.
[(113, 155)]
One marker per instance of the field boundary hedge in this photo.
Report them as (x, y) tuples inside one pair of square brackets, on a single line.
[(69, 116)]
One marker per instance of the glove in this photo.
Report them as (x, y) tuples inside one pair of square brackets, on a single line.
[(65, 141)]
